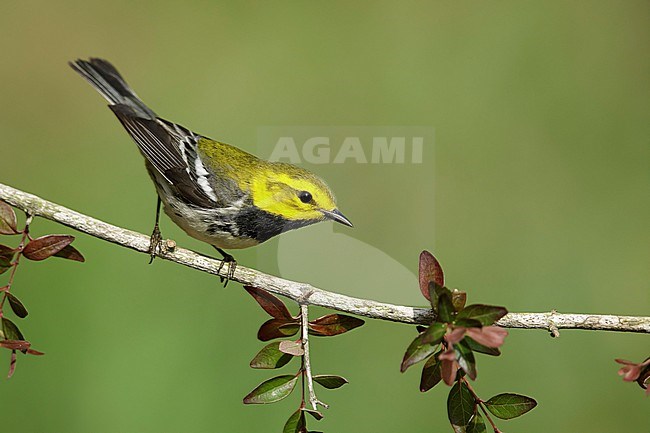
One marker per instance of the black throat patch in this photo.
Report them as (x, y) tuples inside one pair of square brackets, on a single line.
[(262, 226)]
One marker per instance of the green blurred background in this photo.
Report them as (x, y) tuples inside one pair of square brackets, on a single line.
[(534, 196)]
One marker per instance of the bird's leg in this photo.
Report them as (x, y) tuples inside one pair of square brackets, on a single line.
[(232, 265), (156, 238)]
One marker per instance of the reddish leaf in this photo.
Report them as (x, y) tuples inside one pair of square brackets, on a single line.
[(630, 370), (639, 372), (7, 253), (270, 303), (272, 390), (476, 347), (291, 347), (455, 335), (270, 357), (447, 355), (15, 344), (330, 381), (277, 328), (70, 253), (7, 220), (333, 324), (449, 366), (430, 270), (490, 336), (16, 306), (12, 364), (458, 298), (23, 346), (46, 246)]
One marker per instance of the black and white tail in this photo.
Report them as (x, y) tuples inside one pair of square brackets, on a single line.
[(170, 149), (109, 83)]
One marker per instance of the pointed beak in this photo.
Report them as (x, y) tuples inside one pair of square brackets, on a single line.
[(337, 216)]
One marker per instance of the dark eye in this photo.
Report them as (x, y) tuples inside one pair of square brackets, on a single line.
[(304, 196)]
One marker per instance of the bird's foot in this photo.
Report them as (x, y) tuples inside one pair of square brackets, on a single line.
[(232, 265), (155, 243)]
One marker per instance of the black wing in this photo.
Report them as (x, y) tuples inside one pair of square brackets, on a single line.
[(169, 148)]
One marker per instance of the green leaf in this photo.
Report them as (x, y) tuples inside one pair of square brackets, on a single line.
[(461, 405), (296, 423), (333, 324), (446, 309), (270, 357), (330, 381), (423, 346), (16, 306), (434, 333), (4, 266), (486, 314), (70, 253), (277, 328), (10, 330), (467, 323), (6, 257), (507, 405), (46, 246), (435, 290), (272, 390), (476, 425), (316, 414), (477, 347), (431, 374), (465, 359), (430, 271), (7, 219)]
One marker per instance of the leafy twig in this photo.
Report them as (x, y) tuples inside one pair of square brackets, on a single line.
[(297, 291), (304, 323), (16, 262)]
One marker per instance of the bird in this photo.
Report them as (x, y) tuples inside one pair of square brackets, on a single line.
[(216, 192)]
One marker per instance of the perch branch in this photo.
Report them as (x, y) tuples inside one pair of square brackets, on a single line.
[(303, 292), (304, 325)]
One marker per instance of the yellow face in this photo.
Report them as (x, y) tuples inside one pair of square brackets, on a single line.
[(292, 193)]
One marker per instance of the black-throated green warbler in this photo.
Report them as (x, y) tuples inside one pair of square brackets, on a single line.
[(215, 192)]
